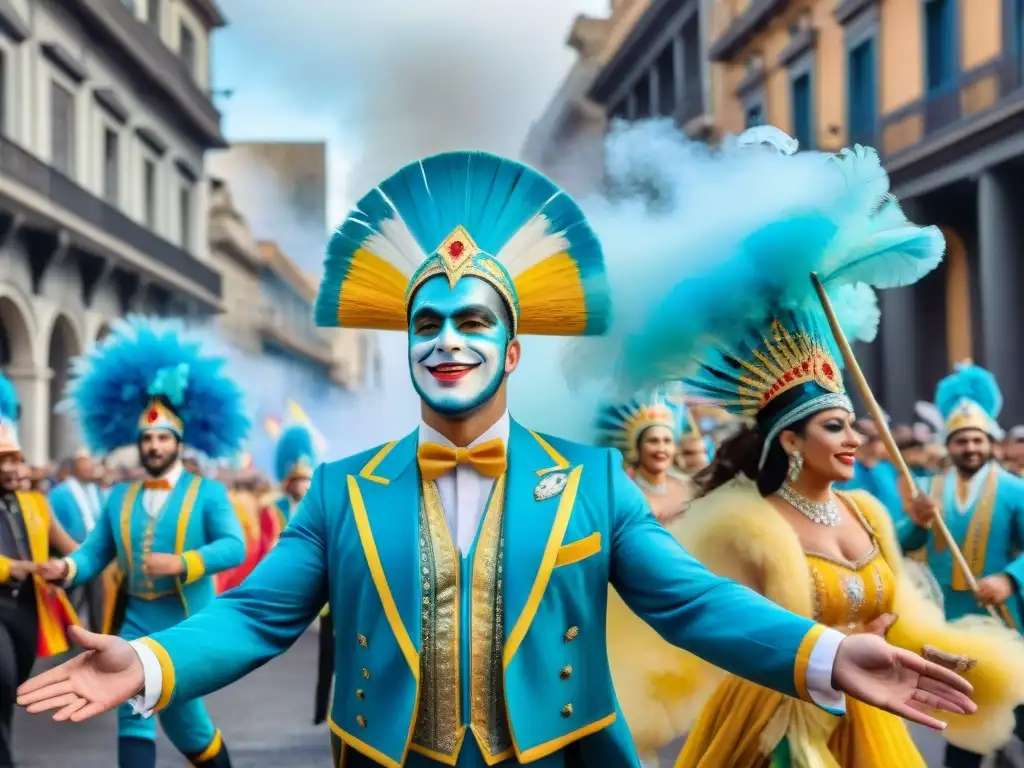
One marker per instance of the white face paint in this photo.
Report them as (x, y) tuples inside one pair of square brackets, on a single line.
[(458, 338)]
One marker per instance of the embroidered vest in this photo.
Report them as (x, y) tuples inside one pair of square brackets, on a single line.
[(462, 627)]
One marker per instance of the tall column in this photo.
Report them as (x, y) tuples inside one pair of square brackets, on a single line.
[(679, 68), (897, 338), (998, 235), (33, 387)]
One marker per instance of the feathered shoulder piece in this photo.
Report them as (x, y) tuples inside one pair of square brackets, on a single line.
[(970, 398), (152, 374), (295, 455), (622, 425), (463, 214)]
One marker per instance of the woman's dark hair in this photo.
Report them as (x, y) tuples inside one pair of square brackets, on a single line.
[(740, 454)]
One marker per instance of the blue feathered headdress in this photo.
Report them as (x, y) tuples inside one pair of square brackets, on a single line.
[(150, 374), (10, 414), (295, 455), (463, 214), (739, 321), (622, 425), (969, 398)]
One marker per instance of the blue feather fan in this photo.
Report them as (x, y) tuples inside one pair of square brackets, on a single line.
[(112, 385), (826, 214)]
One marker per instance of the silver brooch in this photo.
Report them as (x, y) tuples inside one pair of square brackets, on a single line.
[(550, 485)]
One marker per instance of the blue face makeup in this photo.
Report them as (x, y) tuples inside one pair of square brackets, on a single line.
[(458, 338)]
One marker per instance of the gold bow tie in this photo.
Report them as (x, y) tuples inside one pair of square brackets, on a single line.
[(157, 485), (487, 458)]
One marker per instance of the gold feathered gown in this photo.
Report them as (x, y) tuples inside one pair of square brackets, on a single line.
[(736, 533)]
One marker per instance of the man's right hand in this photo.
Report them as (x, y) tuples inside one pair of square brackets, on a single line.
[(923, 510), (107, 675), (53, 570)]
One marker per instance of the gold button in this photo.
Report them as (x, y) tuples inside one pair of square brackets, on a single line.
[(361, 720), (366, 673), (361, 639), (567, 710), (360, 694), (571, 634), (566, 672)]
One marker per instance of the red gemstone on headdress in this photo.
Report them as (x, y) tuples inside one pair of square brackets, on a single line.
[(807, 365), (455, 249), (152, 416), (827, 370)]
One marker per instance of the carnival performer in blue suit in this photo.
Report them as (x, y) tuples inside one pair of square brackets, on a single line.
[(983, 507), (468, 562), (294, 459), (147, 383)]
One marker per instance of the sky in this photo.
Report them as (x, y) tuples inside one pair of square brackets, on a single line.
[(383, 83), (389, 81)]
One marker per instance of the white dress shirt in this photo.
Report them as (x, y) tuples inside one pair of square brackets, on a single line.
[(153, 500), (464, 494), (464, 491)]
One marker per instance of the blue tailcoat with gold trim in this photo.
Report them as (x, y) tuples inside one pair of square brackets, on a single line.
[(990, 534), (197, 522), (355, 542)]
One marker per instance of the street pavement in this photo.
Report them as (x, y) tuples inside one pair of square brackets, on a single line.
[(266, 720)]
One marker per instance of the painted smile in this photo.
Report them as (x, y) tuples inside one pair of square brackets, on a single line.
[(849, 459), (449, 373)]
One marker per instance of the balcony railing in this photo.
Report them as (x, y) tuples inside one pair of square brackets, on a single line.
[(275, 328), (944, 109), (25, 168), (115, 21)]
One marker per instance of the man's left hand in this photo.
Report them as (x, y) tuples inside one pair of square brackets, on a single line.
[(995, 589), (869, 669), (160, 564)]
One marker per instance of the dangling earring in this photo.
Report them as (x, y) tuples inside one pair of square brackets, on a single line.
[(796, 465)]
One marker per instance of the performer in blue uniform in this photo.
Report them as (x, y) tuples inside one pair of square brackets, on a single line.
[(146, 383), (983, 507), (468, 562), (294, 459)]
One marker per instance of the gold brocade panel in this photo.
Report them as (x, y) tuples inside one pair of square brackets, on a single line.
[(440, 724)]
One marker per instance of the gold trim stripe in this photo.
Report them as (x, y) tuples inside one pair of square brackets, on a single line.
[(803, 660), (166, 672), (578, 550), (547, 564), (380, 581)]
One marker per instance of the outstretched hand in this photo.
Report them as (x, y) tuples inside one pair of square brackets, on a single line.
[(898, 681), (107, 675)]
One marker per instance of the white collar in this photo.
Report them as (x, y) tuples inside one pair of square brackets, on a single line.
[(499, 429), (172, 475)]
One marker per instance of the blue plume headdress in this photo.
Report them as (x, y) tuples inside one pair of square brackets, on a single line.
[(970, 398), (10, 414), (740, 323), (623, 425), (463, 214), (150, 374), (295, 455)]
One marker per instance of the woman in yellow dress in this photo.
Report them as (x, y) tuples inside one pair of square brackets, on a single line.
[(745, 331), (646, 431)]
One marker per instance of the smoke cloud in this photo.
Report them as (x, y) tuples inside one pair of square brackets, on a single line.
[(389, 81)]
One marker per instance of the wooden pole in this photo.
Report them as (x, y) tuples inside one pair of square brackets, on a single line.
[(875, 411)]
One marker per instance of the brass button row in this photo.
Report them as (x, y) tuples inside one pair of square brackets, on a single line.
[(566, 672), (360, 693)]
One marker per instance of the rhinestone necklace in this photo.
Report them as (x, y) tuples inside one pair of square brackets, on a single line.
[(820, 512), (660, 488)]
